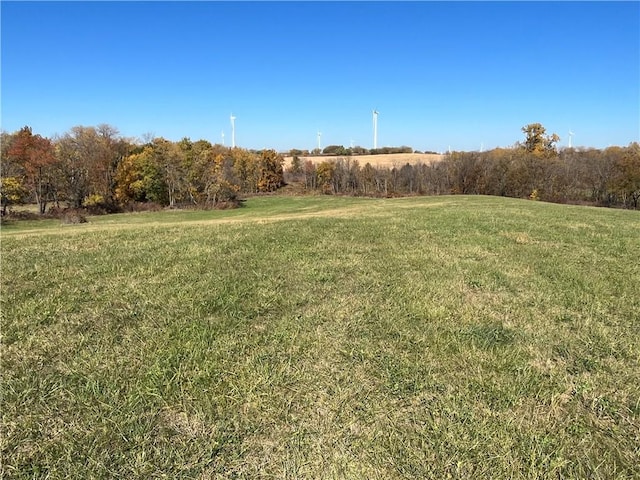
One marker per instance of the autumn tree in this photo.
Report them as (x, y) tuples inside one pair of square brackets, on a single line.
[(247, 168), (88, 158), (310, 175), (221, 184), (367, 178), (271, 175), (407, 178), (197, 159), (627, 180), (170, 159), (74, 152), (464, 170), (140, 178), (12, 191), (537, 141), (346, 175), (325, 171), (12, 188), (499, 163), (34, 155), (113, 148)]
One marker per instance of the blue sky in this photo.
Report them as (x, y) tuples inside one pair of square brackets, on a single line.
[(459, 74)]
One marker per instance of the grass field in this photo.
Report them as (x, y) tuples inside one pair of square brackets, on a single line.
[(324, 337)]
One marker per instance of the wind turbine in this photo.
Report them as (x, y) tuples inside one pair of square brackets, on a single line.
[(233, 131), (375, 129), (222, 134), (319, 135), (570, 135)]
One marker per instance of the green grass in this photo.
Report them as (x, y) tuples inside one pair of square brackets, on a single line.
[(324, 337)]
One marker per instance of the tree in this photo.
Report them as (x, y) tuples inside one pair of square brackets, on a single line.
[(499, 161), (337, 150), (197, 158), (34, 154), (628, 179), (310, 175), (537, 141), (296, 165), (407, 178), (464, 171), (113, 149), (12, 191), (367, 178), (12, 188), (73, 152), (326, 176), (247, 168), (221, 184), (170, 159), (271, 173), (88, 159), (140, 178), (358, 150), (346, 175)]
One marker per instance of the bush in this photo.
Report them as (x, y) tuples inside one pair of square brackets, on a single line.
[(93, 200), (73, 216), (227, 204)]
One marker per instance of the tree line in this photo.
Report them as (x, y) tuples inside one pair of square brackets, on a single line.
[(533, 169), (96, 167)]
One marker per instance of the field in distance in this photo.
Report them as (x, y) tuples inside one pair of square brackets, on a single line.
[(324, 337), (383, 160)]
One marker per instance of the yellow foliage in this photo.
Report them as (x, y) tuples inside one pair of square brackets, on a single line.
[(93, 200), (11, 190)]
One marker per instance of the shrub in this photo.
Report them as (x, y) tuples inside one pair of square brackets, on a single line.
[(73, 216), (93, 200)]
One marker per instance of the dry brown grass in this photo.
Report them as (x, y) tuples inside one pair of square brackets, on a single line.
[(382, 160)]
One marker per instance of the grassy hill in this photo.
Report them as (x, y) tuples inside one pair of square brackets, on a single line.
[(324, 337)]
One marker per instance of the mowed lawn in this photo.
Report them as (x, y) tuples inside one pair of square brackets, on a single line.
[(324, 337)]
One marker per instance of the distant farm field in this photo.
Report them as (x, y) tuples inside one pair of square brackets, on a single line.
[(383, 160), (324, 337)]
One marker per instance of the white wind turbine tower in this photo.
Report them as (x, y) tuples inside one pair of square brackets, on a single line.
[(222, 134), (319, 135), (570, 135), (375, 129), (233, 131)]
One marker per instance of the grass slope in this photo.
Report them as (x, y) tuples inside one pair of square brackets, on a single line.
[(442, 337)]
